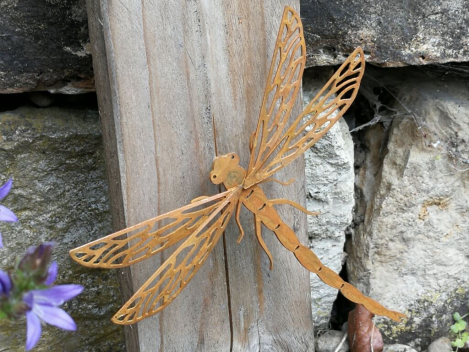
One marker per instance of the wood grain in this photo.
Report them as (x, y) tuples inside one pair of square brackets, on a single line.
[(168, 72), (107, 110), (270, 309)]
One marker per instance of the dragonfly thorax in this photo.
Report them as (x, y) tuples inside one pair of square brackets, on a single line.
[(226, 170)]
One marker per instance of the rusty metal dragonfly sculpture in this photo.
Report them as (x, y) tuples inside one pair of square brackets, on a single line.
[(274, 145)]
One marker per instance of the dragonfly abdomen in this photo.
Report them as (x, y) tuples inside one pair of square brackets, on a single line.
[(256, 201)]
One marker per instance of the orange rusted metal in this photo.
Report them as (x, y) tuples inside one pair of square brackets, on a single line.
[(274, 144)]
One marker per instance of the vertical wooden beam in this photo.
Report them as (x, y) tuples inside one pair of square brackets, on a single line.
[(270, 309), (167, 72), (107, 109)]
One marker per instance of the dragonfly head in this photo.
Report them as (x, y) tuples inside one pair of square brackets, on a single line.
[(226, 170)]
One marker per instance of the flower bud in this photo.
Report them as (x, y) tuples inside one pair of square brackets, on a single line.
[(36, 262)]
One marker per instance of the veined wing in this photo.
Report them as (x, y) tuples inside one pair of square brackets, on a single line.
[(316, 119), (143, 240), (283, 84), (175, 273)]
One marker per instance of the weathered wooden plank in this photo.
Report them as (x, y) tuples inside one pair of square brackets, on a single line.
[(270, 309), (107, 110), (153, 126), (168, 72)]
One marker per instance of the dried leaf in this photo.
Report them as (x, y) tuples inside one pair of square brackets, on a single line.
[(363, 335)]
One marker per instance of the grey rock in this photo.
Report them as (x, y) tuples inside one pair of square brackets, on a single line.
[(392, 33), (330, 191), (44, 46), (408, 248), (329, 341), (398, 348), (55, 157), (443, 344)]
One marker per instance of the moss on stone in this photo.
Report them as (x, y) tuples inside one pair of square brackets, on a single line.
[(437, 308)]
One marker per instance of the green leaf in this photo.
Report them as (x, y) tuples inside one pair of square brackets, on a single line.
[(465, 337), (457, 316), (461, 325), (3, 315), (458, 343)]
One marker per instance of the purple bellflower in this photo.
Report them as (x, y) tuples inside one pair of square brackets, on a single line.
[(27, 291), (5, 213), (43, 306), (5, 284), (51, 274)]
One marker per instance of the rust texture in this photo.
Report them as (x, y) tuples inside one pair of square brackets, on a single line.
[(275, 144)]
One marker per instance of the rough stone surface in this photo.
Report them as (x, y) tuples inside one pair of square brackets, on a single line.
[(330, 191), (392, 33), (443, 344), (399, 348), (329, 341), (44, 46), (44, 43), (55, 158), (408, 250)]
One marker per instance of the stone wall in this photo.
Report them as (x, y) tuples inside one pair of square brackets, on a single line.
[(47, 46), (392, 33), (55, 157), (406, 245), (44, 45), (408, 248), (329, 191)]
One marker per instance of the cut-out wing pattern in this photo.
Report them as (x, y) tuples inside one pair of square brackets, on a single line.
[(283, 84), (175, 273), (143, 240), (316, 119)]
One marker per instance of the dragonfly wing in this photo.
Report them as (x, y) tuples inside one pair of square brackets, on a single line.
[(176, 272), (316, 119), (283, 84), (143, 240)]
